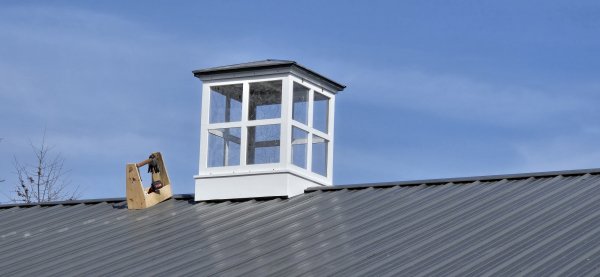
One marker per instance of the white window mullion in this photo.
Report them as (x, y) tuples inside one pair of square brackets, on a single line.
[(310, 133), (244, 125), (226, 152), (309, 152), (311, 94), (321, 134), (264, 122), (300, 125), (224, 125), (285, 151)]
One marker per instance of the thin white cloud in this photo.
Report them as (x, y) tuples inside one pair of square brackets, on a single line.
[(461, 97), (565, 151), (527, 128), (97, 83), (108, 89)]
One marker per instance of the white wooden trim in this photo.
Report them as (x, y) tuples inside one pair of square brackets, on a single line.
[(260, 122), (300, 141), (309, 151), (241, 169), (204, 127), (321, 134), (311, 85), (254, 79), (219, 133), (262, 169), (224, 125), (311, 130), (331, 139), (300, 125), (286, 117), (311, 81), (245, 76), (245, 108), (248, 123)]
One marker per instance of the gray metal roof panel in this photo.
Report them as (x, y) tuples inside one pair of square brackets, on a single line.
[(530, 224), (469, 179)]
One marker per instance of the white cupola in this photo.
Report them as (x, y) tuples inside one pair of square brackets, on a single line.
[(266, 130)]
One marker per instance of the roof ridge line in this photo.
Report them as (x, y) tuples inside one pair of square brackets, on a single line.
[(441, 181), (84, 201)]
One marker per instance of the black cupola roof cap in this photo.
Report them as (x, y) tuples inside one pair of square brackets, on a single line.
[(264, 64)]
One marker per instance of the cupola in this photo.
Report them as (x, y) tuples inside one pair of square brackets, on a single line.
[(267, 130)]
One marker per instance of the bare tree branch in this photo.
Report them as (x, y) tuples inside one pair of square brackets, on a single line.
[(45, 180)]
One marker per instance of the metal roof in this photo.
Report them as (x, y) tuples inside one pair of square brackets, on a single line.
[(506, 225), (244, 66), (266, 64)]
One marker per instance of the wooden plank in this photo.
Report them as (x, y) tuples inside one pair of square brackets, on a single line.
[(137, 195)]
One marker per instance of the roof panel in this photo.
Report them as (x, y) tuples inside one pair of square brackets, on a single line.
[(531, 224)]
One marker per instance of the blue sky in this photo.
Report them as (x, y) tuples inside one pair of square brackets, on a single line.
[(434, 88)]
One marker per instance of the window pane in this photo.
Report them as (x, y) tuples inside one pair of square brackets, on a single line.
[(265, 100), (263, 144), (319, 155), (299, 147), (300, 108), (224, 147), (225, 103), (321, 112)]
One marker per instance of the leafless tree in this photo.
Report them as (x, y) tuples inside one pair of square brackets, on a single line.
[(44, 180)]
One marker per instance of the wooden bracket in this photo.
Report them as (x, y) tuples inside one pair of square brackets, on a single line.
[(137, 195)]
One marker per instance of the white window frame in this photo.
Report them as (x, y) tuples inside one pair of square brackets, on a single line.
[(313, 88), (244, 123), (285, 122)]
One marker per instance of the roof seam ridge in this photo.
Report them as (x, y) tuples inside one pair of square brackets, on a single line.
[(456, 180)]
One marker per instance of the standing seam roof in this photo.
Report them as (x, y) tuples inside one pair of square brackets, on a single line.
[(536, 224)]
